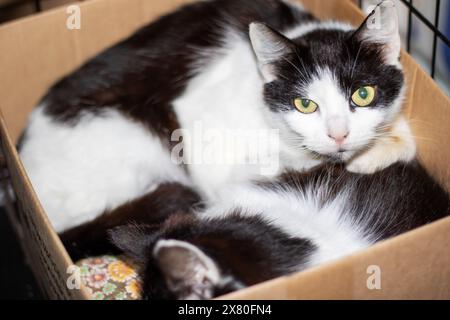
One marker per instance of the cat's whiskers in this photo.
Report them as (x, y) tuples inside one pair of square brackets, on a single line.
[(389, 134), (283, 76), (301, 62), (356, 61), (302, 76), (424, 139)]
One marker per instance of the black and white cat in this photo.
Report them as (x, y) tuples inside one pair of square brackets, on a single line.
[(101, 137), (262, 230)]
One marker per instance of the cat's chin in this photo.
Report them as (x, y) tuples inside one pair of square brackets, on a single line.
[(338, 156), (341, 156)]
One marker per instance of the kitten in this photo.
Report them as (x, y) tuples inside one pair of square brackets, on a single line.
[(264, 230), (102, 136)]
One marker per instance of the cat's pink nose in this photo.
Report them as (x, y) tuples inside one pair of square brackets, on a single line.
[(339, 138)]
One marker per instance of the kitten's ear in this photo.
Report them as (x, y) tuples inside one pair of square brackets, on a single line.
[(133, 240), (270, 46), (189, 273), (382, 27)]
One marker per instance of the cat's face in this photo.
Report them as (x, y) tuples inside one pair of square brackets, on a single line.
[(332, 91)]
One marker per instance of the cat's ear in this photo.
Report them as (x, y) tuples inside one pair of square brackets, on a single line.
[(382, 27), (270, 46), (188, 271), (133, 240)]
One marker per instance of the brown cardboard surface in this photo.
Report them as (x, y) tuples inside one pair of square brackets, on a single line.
[(40, 49), (431, 126)]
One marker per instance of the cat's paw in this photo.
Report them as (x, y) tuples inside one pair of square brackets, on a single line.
[(397, 146), (364, 165), (379, 158)]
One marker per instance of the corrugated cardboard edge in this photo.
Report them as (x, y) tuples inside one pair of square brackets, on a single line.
[(46, 255)]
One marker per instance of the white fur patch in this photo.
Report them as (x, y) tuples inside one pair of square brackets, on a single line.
[(298, 215), (306, 28), (215, 100), (100, 163), (396, 146)]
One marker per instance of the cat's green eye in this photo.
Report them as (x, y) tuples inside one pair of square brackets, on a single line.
[(305, 105), (364, 96)]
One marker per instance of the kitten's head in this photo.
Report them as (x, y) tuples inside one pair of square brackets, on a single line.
[(332, 90)]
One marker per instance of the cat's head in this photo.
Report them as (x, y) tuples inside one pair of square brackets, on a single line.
[(332, 90)]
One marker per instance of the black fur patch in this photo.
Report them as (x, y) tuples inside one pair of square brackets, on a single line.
[(92, 239)]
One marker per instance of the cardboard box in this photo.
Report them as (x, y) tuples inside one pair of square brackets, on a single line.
[(41, 49), (13, 9)]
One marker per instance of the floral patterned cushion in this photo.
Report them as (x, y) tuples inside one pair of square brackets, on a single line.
[(110, 278)]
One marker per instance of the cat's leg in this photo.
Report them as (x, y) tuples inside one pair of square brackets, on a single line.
[(397, 145), (91, 238)]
